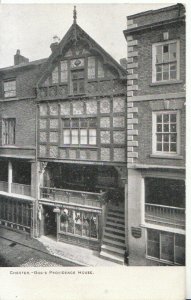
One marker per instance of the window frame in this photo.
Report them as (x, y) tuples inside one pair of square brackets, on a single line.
[(14, 90), (154, 47), (154, 133), (6, 131), (79, 129), (160, 259)]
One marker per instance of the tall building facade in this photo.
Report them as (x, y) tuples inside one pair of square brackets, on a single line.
[(63, 145), (155, 206)]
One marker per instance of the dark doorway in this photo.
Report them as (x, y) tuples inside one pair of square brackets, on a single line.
[(49, 221)]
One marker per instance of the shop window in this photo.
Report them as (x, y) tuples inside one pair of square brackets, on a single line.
[(166, 61), (79, 223), (78, 131), (10, 89), (166, 246), (8, 131), (166, 132)]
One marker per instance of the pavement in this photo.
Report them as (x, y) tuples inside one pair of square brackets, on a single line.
[(36, 252)]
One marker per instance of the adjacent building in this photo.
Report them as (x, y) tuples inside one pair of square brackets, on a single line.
[(155, 206)]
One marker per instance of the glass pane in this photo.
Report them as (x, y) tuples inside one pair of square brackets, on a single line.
[(173, 138), (81, 86), (64, 221), (159, 146), (83, 137), (173, 127), (75, 123), (66, 123), (166, 127), (93, 226), (159, 127), (75, 87), (158, 54), (159, 137), (165, 53), (173, 147), (166, 118), (93, 122), (55, 75), (172, 117), (153, 249), (166, 147), (80, 74), (166, 137), (100, 70), (78, 223), (91, 67), (165, 72), (159, 69), (71, 214), (75, 75), (92, 136), (66, 136), (74, 136), (173, 51), (86, 224), (64, 71), (159, 76), (83, 123), (167, 246), (159, 118), (180, 240)]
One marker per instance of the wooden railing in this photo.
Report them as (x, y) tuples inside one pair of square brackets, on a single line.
[(21, 189), (165, 215), (4, 186), (72, 196)]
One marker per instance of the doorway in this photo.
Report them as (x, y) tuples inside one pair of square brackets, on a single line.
[(50, 224)]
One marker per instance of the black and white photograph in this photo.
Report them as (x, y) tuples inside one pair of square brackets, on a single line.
[(92, 137)]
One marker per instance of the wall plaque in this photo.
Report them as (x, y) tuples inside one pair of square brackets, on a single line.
[(136, 232)]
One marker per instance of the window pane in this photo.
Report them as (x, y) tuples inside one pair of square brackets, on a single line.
[(75, 87), (86, 224), (165, 53), (93, 122), (66, 123), (94, 226), (166, 137), (167, 246), (159, 118), (173, 51), (173, 138), (173, 127), (159, 69), (173, 117), (64, 71), (173, 147), (158, 54), (55, 75), (159, 76), (74, 136), (159, 146), (66, 136), (100, 70), (71, 221), (75, 123), (92, 136), (165, 72), (166, 118), (159, 127), (159, 137), (172, 74), (83, 123), (83, 137), (166, 128), (91, 67), (153, 243), (166, 147), (81, 86), (78, 223)]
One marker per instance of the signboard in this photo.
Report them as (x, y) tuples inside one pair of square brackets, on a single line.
[(136, 232)]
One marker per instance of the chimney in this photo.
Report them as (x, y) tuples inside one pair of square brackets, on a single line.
[(18, 58), (55, 43)]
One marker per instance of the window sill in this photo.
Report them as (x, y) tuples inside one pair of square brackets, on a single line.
[(166, 156), (168, 82)]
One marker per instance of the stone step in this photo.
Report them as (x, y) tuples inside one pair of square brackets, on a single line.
[(112, 249), (115, 220), (113, 224), (113, 236), (115, 214), (112, 257), (113, 242), (114, 230)]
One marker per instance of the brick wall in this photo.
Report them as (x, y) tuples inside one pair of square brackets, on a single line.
[(24, 112)]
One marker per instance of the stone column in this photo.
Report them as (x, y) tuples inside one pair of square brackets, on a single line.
[(10, 176)]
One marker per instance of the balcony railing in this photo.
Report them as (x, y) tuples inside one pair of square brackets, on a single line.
[(21, 189), (165, 215), (3, 186), (72, 196)]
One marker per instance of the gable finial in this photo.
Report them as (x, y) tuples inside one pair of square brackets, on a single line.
[(74, 14)]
